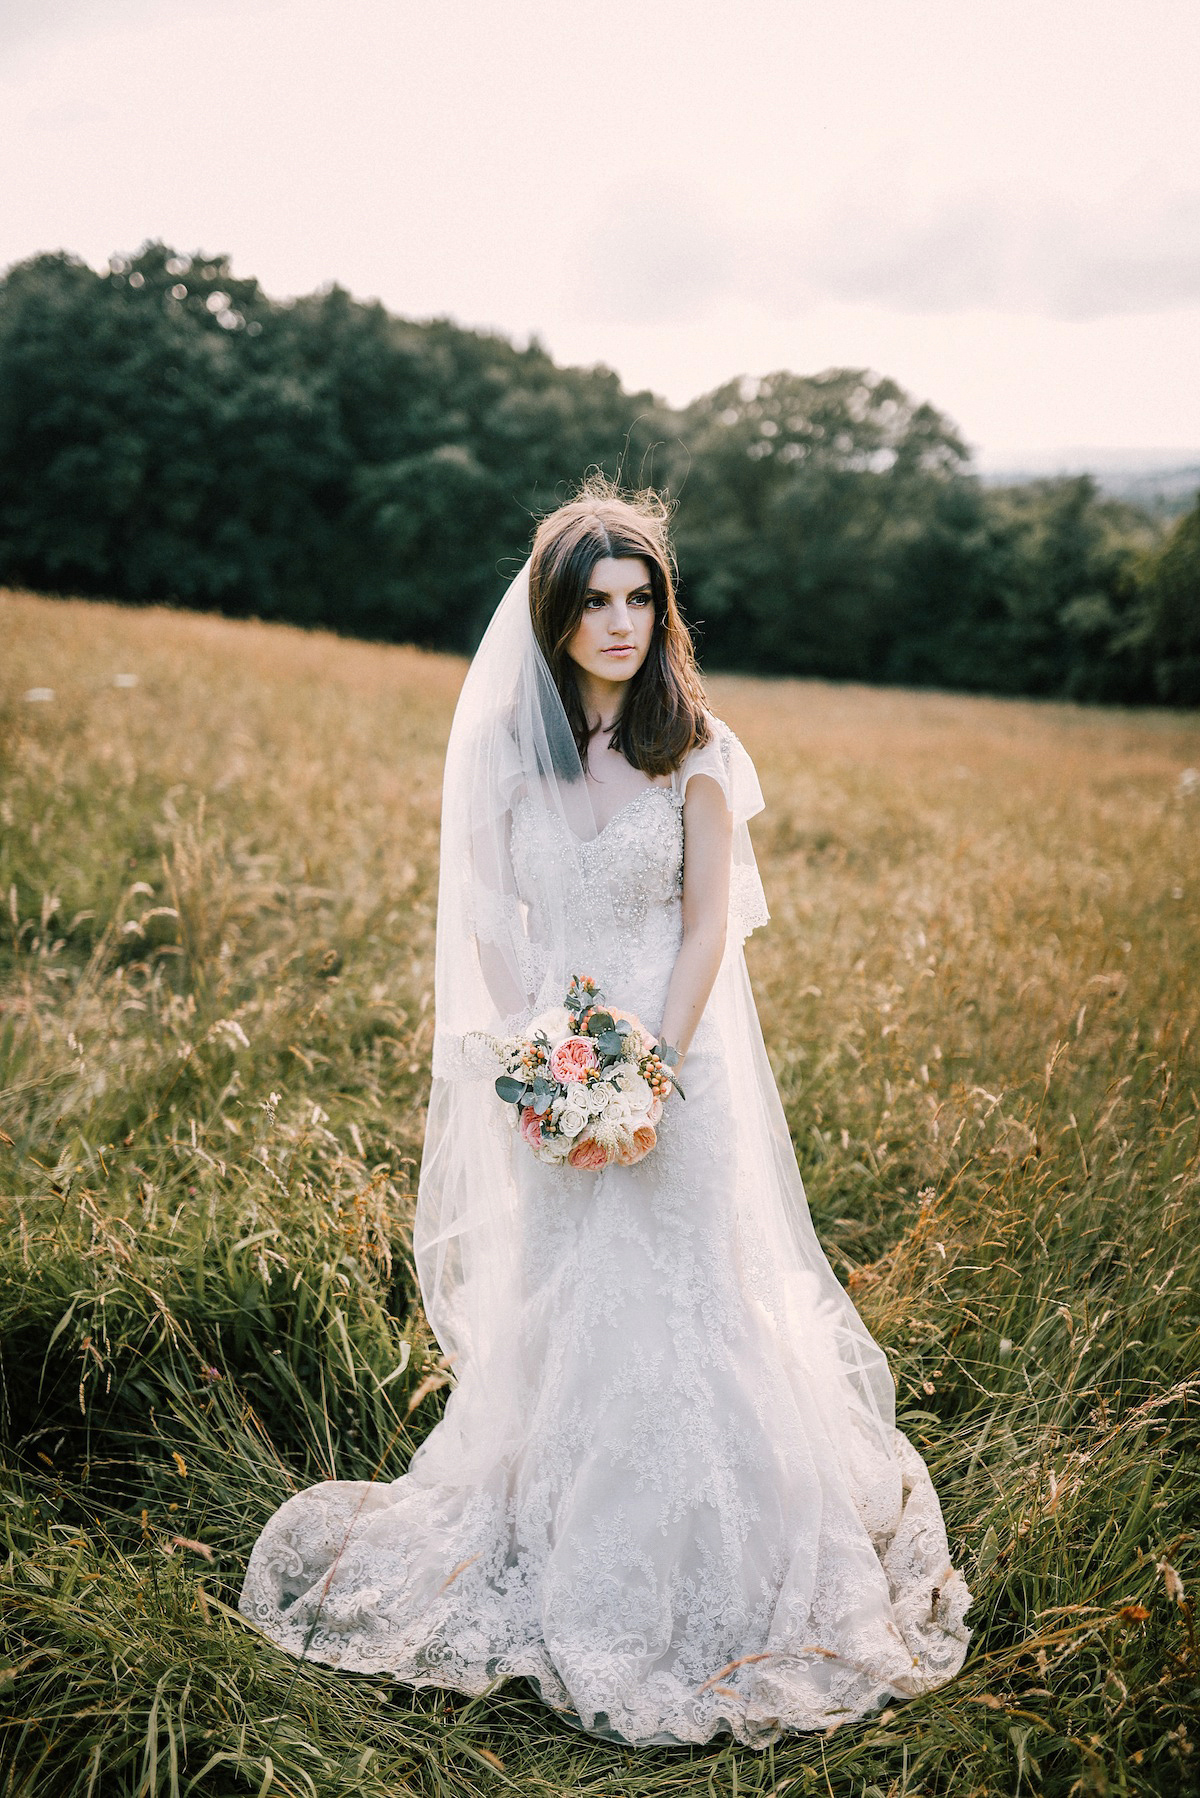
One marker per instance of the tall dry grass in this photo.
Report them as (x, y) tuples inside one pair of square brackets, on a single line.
[(979, 990)]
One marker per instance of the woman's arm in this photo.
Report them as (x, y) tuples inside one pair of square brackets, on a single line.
[(497, 917), (708, 850)]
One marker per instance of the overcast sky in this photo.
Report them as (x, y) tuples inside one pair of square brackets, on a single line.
[(995, 201)]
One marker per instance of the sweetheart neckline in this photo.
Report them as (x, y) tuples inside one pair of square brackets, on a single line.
[(586, 842), (590, 842)]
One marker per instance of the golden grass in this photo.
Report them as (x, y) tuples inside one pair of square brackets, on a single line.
[(979, 990)]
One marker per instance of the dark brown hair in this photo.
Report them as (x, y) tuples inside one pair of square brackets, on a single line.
[(662, 713)]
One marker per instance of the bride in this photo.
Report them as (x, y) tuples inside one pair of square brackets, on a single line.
[(667, 1488)]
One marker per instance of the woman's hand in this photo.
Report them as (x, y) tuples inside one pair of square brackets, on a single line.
[(672, 1062)]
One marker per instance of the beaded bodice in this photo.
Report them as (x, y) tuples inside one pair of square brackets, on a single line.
[(639, 856)]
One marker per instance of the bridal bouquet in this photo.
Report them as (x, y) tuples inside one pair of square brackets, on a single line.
[(587, 1082)]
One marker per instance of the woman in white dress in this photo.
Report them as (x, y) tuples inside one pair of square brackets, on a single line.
[(667, 1487)]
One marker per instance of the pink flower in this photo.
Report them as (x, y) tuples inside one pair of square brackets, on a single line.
[(645, 1137), (531, 1127), (640, 1143), (588, 1153), (572, 1059)]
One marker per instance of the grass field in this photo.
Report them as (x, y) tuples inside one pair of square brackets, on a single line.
[(980, 991)]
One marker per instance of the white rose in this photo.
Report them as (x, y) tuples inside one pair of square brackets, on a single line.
[(637, 1091), (556, 1023), (618, 1113), (571, 1120)]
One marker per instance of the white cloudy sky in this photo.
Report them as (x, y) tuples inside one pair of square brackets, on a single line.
[(995, 201)]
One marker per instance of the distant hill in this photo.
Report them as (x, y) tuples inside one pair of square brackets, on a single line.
[(1164, 482)]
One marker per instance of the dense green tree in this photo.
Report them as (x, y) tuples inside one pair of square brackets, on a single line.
[(1172, 612), (151, 446), (1071, 594), (168, 432), (801, 493), (955, 583)]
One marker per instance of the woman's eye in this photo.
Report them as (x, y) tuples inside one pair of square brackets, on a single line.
[(641, 599)]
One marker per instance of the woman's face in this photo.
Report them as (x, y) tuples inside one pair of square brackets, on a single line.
[(612, 638)]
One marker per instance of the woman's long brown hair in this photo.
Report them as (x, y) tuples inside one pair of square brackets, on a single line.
[(662, 714)]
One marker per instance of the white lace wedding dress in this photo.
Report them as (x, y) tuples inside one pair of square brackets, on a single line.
[(679, 1542)]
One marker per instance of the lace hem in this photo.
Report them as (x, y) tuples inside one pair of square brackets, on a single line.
[(346, 1573)]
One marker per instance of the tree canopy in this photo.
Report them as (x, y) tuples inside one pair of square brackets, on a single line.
[(168, 432)]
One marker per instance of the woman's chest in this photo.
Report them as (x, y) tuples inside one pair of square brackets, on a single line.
[(636, 860)]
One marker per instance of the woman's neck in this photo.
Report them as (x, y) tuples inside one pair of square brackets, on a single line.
[(601, 700)]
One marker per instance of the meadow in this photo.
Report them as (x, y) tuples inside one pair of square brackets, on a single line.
[(980, 991)]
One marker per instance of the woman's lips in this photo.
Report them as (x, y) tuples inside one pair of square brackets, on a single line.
[(623, 649)]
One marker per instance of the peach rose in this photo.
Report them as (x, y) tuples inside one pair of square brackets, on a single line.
[(589, 1154), (572, 1059), (531, 1127), (640, 1143)]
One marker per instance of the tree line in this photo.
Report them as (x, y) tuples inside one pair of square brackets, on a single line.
[(168, 432)]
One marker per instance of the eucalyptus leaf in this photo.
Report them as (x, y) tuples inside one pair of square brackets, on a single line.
[(542, 1103), (509, 1088), (599, 1023)]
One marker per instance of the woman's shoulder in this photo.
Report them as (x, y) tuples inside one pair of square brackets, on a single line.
[(706, 753), (721, 733), (723, 757), (721, 743)]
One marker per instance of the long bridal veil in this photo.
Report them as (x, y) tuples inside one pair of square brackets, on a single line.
[(799, 1530), (510, 743)]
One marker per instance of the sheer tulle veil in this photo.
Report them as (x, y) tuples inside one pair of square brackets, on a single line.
[(667, 1486), (511, 743)]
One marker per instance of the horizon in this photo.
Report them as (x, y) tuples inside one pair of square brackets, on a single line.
[(1066, 458), (1001, 213)]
